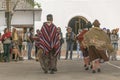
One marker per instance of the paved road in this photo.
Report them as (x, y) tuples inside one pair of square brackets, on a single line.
[(67, 70)]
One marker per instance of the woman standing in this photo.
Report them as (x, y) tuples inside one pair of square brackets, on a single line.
[(36, 48), (6, 38), (61, 40), (15, 47), (114, 40)]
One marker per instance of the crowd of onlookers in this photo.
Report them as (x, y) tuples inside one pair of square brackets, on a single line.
[(114, 38), (13, 45), (16, 46), (94, 45)]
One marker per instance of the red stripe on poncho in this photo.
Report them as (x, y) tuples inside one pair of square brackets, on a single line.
[(48, 39)]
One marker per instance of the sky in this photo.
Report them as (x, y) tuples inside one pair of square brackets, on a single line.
[(106, 11)]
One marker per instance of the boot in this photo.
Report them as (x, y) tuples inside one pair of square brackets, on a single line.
[(52, 71), (87, 68), (98, 70), (93, 71)]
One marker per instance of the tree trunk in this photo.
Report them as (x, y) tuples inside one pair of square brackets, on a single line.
[(7, 14)]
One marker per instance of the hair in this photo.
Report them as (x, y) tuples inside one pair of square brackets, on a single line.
[(59, 27), (104, 29), (69, 28), (14, 29), (5, 30), (31, 29), (37, 30), (96, 23), (108, 30), (114, 31), (49, 17)]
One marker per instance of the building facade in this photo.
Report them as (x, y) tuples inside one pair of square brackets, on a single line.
[(24, 15)]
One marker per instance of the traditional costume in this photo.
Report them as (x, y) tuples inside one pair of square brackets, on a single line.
[(83, 47), (80, 38), (49, 46), (99, 39), (98, 42)]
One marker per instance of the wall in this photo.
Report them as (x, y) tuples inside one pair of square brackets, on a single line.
[(2, 18), (22, 17), (106, 11)]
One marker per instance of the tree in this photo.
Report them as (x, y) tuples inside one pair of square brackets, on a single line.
[(34, 3)]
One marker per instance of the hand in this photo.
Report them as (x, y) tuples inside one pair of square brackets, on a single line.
[(5, 38)]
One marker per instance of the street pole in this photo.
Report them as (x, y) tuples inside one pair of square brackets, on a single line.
[(8, 14)]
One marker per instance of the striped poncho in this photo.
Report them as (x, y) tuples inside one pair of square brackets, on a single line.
[(48, 39)]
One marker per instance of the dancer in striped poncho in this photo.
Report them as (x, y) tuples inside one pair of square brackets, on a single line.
[(49, 45)]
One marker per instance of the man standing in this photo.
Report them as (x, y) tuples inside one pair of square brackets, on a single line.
[(70, 42), (49, 45), (30, 42)]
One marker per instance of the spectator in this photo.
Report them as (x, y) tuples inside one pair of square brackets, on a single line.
[(15, 47), (114, 40), (30, 42), (36, 48), (6, 38), (61, 40), (70, 37)]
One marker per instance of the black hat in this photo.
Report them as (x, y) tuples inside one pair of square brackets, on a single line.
[(49, 17), (88, 25)]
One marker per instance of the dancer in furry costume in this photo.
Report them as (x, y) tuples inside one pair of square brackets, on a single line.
[(98, 42)]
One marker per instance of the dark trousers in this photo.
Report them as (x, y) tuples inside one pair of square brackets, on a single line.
[(69, 47), (1, 57), (29, 45), (59, 55), (6, 52), (20, 48), (36, 50)]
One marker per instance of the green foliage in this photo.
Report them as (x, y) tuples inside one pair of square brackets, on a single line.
[(37, 4), (34, 3)]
